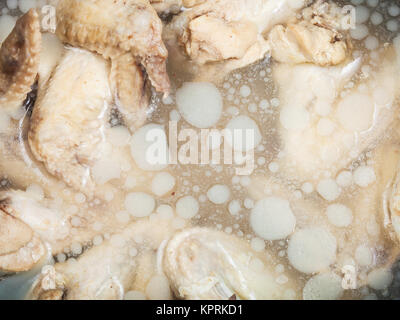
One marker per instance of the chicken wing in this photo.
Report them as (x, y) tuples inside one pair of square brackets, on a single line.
[(67, 124), (108, 270), (19, 61), (112, 28), (317, 37), (206, 264), (226, 35)]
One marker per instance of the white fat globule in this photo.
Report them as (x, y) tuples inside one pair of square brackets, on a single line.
[(394, 10), (7, 23), (264, 104), (371, 43), (187, 207), (139, 204), (25, 5), (12, 4), (245, 91), (307, 187), (162, 183), (363, 255), (247, 128), (118, 136), (364, 176), (339, 215), (76, 248), (376, 18), (328, 189), (272, 218), (200, 103), (149, 147), (261, 161), (218, 194), (344, 178), (355, 112), (234, 207), (324, 286), (372, 3), (248, 203), (392, 25), (359, 32), (312, 249), (362, 14), (273, 167), (158, 288), (379, 279)]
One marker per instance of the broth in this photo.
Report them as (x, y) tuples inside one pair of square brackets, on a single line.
[(253, 92)]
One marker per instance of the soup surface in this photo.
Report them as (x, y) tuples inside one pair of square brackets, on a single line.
[(297, 161)]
